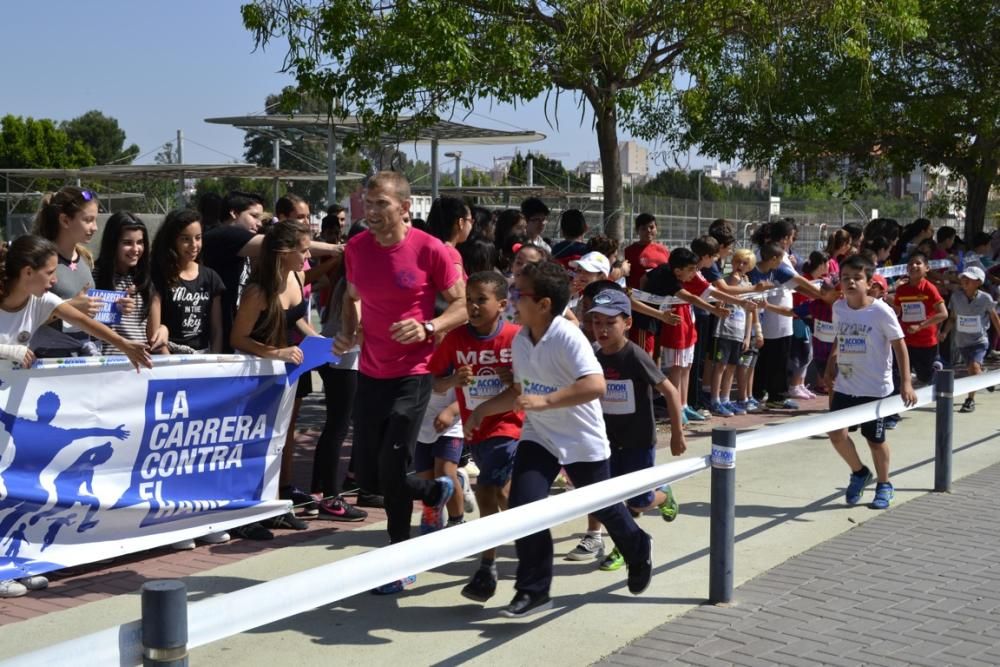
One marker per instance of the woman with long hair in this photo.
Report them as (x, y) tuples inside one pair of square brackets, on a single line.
[(123, 266), (271, 308)]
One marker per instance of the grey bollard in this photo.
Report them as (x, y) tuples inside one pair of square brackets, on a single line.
[(944, 388), (164, 624), (723, 512)]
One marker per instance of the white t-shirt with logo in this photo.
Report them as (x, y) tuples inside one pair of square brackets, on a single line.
[(559, 359), (435, 405), (864, 348), (17, 327)]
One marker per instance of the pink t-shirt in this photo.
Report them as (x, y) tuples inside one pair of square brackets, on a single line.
[(396, 283)]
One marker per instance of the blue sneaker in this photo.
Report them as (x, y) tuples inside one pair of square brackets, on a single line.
[(753, 405), (719, 409), (734, 407), (434, 516), (394, 587), (857, 485), (883, 496), (692, 414)]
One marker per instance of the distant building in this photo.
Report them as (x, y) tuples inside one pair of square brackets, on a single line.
[(634, 160), (588, 167)]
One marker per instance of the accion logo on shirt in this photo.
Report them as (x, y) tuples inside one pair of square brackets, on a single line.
[(536, 387)]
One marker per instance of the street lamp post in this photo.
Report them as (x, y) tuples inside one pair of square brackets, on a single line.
[(458, 166)]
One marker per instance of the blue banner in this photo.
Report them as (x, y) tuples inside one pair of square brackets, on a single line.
[(97, 460)]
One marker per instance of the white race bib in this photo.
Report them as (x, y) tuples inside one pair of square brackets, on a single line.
[(482, 388), (850, 346), (737, 317), (913, 311), (619, 399), (970, 324), (824, 331)]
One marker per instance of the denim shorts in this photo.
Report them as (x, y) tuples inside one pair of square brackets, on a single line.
[(445, 447), (976, 353), (624, 461), (495, 459)]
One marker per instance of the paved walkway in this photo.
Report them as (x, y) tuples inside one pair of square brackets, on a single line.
[(919, 585)]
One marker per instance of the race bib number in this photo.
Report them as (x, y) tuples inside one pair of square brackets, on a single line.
[(737, 317), (852, 345), (913, 311), (619, 399), (970, 324), (483, 388), (824, 331)]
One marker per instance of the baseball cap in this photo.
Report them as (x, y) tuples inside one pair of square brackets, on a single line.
[(611, 302), (879, 279), (594, 262), (973, 273)]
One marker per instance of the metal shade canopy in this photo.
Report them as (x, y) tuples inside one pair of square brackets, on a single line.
[(335, 129), (175, 171)]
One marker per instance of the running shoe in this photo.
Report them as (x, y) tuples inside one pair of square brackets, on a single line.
[(434, 516), (394, 587), (286, 521), (693, 415), (753, 405), (800, 392), (253, 531), (734, 407), (856, 486), (301, 501), (720, 410), (220, 537), (640, 573), (10, 588), (34, 583), (969, 405), (614, 561), (366, 499), (669, 507), (787, 404), (883, 496), (482, 586), (590, 547), (467, 495), (336, 509), (526, 604)]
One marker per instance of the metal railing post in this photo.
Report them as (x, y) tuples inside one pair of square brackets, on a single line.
[(164, 624), (944, 388), (723, 513)]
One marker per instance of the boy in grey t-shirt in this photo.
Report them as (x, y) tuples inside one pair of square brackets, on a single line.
[(971, 311)]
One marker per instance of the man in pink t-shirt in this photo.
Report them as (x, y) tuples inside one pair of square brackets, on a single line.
[(394, 273)]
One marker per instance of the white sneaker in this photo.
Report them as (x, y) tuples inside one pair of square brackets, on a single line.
[(467, 494), (215, 538), (34, 583), (472, 468), (183, 545), (12, 589)]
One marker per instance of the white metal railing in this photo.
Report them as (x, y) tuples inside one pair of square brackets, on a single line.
[(242, 610)]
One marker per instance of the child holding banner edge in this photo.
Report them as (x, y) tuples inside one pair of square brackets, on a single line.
[(27, 272)]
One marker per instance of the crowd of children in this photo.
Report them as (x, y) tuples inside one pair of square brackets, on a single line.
[(488, 347)]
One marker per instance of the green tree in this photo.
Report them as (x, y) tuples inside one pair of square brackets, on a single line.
[(103, 136), (925, 92), (30, 143), (431, 58)]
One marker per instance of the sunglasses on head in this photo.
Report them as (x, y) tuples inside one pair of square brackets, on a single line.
[(88, 195)]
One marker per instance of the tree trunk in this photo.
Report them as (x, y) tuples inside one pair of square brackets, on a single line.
[(611, 169), (976, 196)]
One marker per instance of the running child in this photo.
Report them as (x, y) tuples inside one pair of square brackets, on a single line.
[(971, 311), (920, 309), (27, 274), (631, 376), (478, 357), (868, 335), (558, 385)]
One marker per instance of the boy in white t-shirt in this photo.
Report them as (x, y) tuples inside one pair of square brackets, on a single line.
[(558, 385), (868, 334)]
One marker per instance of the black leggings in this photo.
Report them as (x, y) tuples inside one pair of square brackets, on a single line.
[(339, 387), (772, 369)]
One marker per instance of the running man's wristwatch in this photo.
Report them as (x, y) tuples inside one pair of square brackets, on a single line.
[(429, 329)]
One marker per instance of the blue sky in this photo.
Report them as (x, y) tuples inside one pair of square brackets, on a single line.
[(162, 66)]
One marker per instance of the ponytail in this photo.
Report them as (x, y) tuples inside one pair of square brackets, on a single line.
[(68, 201)]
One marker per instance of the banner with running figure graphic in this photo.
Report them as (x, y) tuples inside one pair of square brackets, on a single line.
[(97, 460)]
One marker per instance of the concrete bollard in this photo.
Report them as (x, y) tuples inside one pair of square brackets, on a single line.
[(944, 388), (164, 624), (723, 523)]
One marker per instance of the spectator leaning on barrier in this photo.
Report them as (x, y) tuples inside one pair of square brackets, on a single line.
[(394, 274), (868, 335)]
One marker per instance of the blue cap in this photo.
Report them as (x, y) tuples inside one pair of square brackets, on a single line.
[(612, 302)]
